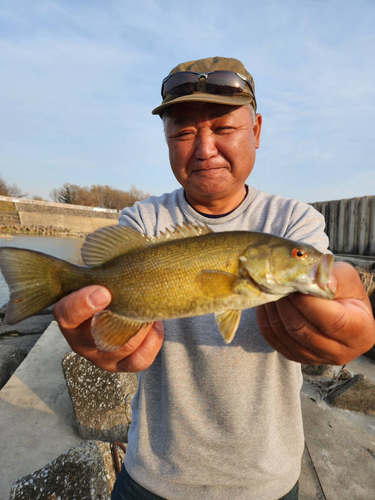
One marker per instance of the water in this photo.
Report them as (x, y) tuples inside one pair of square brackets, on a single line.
[(64, 248)]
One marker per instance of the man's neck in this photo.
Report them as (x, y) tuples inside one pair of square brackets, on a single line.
[(218, 207)]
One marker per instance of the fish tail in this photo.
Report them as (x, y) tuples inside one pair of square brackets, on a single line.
[(33, 280)]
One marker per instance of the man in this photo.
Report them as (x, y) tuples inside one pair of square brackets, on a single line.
[(212, 421)]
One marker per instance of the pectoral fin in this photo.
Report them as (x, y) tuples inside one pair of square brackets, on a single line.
[(228, 323), (111, 331), (216, 283)]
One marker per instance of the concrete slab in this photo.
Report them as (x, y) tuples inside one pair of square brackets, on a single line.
[(36, 413), (37, 425), (310, 487), (342, 449), (365, 366)]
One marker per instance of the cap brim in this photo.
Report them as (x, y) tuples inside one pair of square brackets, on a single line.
[(231, 100)]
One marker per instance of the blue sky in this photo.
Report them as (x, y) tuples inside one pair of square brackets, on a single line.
[(78, 81)]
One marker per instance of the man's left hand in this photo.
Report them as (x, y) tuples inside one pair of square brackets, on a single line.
[(317, 331)]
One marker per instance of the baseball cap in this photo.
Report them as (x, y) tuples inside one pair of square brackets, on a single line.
[(201, 92)]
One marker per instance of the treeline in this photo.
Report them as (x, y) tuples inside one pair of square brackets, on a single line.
[(94, 196), (98, 196), (10, 190)]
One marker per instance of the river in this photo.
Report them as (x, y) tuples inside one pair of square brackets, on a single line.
[(64, 248)]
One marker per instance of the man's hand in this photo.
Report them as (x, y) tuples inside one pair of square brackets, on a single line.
[(317, 331), (74, 313)]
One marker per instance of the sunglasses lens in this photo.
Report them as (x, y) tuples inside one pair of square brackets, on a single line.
[(225, 83), (180, 84)]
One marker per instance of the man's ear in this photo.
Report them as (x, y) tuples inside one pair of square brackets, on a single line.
[(257, 129)]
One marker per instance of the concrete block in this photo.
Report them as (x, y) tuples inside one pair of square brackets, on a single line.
[(357, 394), (319, 370), (34, 324), (36, 413), (101, 399), (10, 359), (85, 471)]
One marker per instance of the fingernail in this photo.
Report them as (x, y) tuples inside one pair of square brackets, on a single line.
[(159, 327), (332, 285), (99, 298)]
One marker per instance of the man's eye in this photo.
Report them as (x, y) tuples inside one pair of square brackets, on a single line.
[(223, 130), (184, 135)]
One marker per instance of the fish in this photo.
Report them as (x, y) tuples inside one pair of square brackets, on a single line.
[(186, 271)]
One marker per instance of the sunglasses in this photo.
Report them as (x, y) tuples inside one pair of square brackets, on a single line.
[(217, 82)]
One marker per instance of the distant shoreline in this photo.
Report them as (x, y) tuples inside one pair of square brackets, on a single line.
[(40, 231)]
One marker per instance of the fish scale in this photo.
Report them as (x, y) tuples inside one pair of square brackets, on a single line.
[(189, 272)]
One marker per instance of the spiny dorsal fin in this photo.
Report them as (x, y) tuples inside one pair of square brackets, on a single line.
[(109, 242), (184, 230)]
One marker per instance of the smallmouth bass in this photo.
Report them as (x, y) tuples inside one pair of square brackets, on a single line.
[(190, 271)]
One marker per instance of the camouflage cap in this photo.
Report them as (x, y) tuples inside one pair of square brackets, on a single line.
[(205, 66)]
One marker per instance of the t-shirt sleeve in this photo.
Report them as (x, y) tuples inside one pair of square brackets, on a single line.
[(307, 225), (131, 216)]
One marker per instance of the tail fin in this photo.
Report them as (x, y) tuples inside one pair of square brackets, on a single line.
[(32, 279)]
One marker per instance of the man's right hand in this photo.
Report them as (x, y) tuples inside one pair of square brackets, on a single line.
[(74, 313)]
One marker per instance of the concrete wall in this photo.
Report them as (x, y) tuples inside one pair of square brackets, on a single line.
[(350, 224), (76, 218), (71, 222)]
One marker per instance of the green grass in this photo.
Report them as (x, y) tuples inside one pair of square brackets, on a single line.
[(7, 206)]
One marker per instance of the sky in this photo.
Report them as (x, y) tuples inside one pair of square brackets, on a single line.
[(78, 81)]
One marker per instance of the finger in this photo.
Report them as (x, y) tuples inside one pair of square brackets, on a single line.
[(331, 316), (346, 282), (116, 361), (300, 333), (268, 321), (76, 308), (145, 354), (278, 337)]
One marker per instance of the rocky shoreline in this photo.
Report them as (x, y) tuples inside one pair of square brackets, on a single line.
[(10, 229)]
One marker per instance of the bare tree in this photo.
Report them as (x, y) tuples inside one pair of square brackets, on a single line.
[(10, 190), (98, 196), (66, 194)]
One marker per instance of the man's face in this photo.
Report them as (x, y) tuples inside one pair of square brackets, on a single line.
[(211, 149)]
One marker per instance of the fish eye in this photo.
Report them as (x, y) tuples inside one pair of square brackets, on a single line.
[(299, 253)]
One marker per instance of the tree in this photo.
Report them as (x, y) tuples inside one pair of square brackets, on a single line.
[(10, 190), (66, 194), (98, 196)]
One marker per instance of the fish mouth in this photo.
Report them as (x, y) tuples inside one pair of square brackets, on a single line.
[(320, 275)]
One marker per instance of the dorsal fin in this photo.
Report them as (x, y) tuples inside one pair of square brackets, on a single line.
[(185, 230), (109, 242)]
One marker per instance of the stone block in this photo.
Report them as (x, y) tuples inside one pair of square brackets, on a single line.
[(29, 326), (83, 472), (10, 359), (357, 394), (319, 370), (101, 399)]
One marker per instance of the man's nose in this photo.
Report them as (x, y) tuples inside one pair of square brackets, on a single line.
[(205, 146)]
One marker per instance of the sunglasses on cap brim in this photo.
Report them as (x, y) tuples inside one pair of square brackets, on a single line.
[(217, 82)]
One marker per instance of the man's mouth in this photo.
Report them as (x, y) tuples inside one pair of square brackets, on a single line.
[(208, 170)]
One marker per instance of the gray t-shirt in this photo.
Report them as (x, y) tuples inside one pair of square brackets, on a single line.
[(215, 421)]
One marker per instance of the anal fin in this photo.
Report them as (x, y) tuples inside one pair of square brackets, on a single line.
[(227, 323), (111, 331)]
